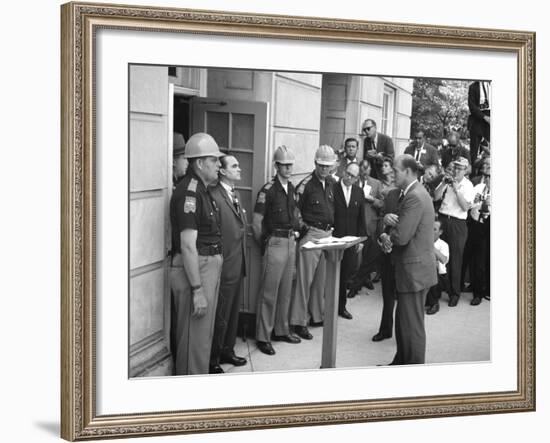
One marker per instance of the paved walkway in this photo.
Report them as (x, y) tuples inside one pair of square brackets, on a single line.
[(459, 334)]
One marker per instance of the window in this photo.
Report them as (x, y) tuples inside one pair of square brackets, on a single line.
[(387, 111)]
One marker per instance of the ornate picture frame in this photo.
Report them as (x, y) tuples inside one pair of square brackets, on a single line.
[(80, 23)]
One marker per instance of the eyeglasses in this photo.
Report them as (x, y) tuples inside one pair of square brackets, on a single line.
[(351, 176), (367, 128)]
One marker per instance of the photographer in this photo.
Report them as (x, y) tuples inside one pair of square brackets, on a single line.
[(456, 193)]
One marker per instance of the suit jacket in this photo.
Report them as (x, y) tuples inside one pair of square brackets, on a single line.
[(475, 119), (233, 227), (348, 219), (429, 157), (413, 242), (384, 146), (447, 155), (371, 211)]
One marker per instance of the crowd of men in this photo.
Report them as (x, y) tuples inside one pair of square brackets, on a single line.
[(425, 214)]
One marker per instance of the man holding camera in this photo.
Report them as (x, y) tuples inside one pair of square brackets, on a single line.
[(456, 193)]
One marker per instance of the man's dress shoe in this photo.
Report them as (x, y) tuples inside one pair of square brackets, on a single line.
[(475, 301), (453, 301), (289, 338), (265, 347), (433, 309), (345, 314), (380, 337), (303, 332), (232, 359), (215, 369), (315, 324)]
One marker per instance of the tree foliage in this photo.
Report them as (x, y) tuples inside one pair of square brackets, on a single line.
[(439, 106)]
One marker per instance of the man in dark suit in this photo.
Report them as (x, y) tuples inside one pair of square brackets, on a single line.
[(479, 120), (411, 242), (453, 150), (372, 191), (387, 270), (376, 146), (233, 227), (424, 153), (348, 220)]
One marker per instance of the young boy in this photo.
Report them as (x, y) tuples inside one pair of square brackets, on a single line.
[(441, 251)]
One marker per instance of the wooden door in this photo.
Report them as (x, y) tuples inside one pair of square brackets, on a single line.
[(149, 193), (240, 129)]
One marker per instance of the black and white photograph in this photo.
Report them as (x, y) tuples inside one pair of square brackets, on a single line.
[(298, 221)]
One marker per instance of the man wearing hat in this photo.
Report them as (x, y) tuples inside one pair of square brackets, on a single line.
[(276, 225), (196, 257), (456, 193), (315, 197), (179, 163)]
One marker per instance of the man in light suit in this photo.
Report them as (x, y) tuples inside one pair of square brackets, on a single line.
[(410, 240), (376, 147), (348, 220), (233, 230)]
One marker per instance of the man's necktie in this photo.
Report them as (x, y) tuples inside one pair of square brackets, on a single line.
[(235, 201), (417, 157), (401, 197), (485, 93)]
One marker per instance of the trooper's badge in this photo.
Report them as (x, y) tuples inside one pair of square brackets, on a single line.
[(192, 185), (190, 205), (261, 197)]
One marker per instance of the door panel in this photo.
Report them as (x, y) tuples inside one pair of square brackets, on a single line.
[(150, 184), (240, 128)]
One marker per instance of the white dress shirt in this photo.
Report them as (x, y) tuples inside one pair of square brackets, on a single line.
[(450, 206), (347, 192)]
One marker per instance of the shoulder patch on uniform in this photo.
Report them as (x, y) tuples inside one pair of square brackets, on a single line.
[(261, 197), (192, 185), (303, 183), (190, 205), (268, 185)]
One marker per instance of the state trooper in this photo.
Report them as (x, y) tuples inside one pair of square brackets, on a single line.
[(275, 225), (315, 199), (196, 257)]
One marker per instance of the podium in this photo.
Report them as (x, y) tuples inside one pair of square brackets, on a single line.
[(333, 248)]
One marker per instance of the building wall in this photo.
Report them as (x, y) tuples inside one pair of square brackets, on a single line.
[(339, 115), (296, 118), (348, 100)]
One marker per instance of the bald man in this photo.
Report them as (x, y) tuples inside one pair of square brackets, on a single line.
[(348, 220)]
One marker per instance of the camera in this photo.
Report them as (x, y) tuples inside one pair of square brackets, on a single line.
[(448, 179)]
